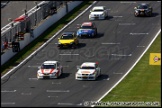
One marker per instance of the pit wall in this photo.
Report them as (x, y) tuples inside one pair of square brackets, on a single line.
[(61, 12)]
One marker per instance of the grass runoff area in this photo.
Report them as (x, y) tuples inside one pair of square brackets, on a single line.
[(142, 84), (20, 56)]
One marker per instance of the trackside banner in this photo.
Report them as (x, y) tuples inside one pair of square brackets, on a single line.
[(155, 59)]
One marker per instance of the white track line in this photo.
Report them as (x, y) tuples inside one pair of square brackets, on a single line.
[(127, 2), (8, 91), (140, 46), (120, 55), (57, 90), (68, 54), (109, 43), (139, 33), (65, 104), (7, 103), (130, 67), (26, 59)]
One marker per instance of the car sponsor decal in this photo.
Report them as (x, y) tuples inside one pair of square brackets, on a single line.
[(85, 72), (47, 70)]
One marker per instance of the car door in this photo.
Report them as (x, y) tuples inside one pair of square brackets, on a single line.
[(58, 68)]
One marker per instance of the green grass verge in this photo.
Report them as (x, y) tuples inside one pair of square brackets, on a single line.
[(14, 61), (143, 83)]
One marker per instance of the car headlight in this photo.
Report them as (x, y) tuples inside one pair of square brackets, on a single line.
[(92, 73), (102, 14), (39, 72), (78, 74), (59, 43), (54, 73), (136, 11)]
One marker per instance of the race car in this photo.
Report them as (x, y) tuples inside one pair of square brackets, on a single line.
[(49, 69), (143, 9), (87, 29), (98, 12), (88, 71), (68, 39)]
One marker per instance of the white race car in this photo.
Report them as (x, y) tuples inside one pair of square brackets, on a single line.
[(98, 12), (49, 69), (88, 71)]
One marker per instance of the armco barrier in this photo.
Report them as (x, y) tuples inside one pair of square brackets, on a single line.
[(40, 29)]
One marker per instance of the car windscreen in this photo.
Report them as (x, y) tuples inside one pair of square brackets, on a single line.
[(48, 66), (142, 7), (67, 37), (86, 27), (97, 10), (87, 67)]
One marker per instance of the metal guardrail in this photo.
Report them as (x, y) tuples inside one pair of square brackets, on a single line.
[(14, 31)]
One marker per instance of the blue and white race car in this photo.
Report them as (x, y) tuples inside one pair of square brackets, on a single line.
[(87, 29)]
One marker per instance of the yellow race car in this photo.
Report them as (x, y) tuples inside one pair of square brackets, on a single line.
[(68, 39)]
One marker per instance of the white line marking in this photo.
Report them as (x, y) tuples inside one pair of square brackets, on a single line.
[(32, 66), (26, 93), (8, 91), (127, 23), (117, 73), (65, 104), (129, 68), (121, 55), (7, 103), (68, 54), (127, 2), (140, 46), (117, 16), (158, 1), (33, 78), (56, 83), (52, 96), (110, 43), (139, 33), (57, 90), (80, 104), (42, 46)]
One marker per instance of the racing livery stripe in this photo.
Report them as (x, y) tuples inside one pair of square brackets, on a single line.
[(51, 71), (42, 70)]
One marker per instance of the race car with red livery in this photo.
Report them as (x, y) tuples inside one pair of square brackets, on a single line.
[(49, 69)]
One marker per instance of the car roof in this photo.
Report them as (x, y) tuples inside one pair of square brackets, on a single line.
[(50, 62), (98, 7), (87, 24), (88, 64)]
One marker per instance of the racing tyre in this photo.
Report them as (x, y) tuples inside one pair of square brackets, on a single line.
[(150, 14)]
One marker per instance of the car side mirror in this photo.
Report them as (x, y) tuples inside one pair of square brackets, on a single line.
[(90, 10), (135, 7), (78, 67), (58, 38)]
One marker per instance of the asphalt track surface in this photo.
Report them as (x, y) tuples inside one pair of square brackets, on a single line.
[(14, 9), (121, 40)]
